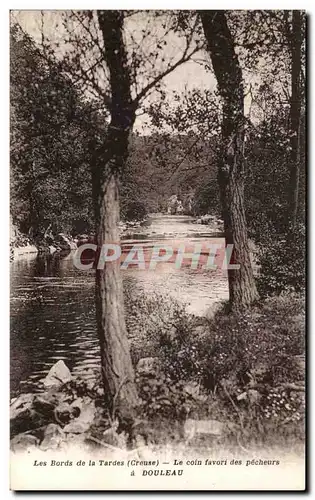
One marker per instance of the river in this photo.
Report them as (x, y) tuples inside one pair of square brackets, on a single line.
[(52, 302)]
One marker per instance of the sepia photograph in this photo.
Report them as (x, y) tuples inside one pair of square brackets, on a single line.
[(157, 250)]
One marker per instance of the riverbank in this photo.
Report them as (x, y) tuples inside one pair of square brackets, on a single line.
[(24, 250), (232, 381), (21, 245)]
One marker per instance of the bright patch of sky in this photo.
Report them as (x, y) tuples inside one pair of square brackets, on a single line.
[(185, 77)]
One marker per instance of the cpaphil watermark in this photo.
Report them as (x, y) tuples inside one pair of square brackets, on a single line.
[(206, 255)]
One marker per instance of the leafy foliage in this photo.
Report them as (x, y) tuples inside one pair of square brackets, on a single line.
[(232, 345), (154, 322), (283, 263), (238, 368), (50, 174), (161, 395), (260, 344)]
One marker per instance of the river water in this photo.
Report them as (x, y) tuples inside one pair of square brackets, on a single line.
[(52, 302)]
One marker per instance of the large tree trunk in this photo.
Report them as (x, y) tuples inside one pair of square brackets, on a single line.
[(242, 288), (117, 369), (295, 115)]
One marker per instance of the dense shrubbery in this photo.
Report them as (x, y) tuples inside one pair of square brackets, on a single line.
[(239, 345), (259, 344), (263, 340), (51, 125), (282, 262), (207, 199), (154, 323), (236, 367), (281, 248), (161, 395), (133, 210)]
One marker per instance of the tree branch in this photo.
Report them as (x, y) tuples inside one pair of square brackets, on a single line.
[(185, 58)]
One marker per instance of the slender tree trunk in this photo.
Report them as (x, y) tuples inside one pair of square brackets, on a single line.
[(117, 369), (242, 288), (295, 115)]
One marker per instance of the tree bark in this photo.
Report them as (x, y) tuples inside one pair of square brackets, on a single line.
[(110, 160), (295, 115), (242, 288)]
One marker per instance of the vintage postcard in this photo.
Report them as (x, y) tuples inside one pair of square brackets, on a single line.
[(157, 247)]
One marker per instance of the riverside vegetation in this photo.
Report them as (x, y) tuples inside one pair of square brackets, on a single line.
[(230, 381)]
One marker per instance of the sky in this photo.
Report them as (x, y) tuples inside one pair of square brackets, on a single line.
[(186, 77)]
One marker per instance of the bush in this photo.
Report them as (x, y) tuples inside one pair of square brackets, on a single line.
[(207, 198), (260, 344), (155, 323), (160, 395), (282, 260), (238, 368), (134, 210)]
